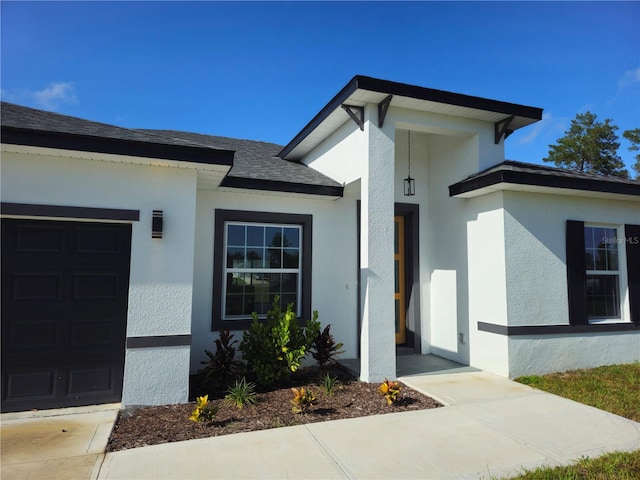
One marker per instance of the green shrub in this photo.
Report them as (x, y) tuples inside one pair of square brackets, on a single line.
[(324, 348), (241, 393), (274, 348)]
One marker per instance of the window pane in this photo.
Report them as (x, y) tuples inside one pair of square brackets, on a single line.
[(289, 282), (255, 258), (274, 259), (603, 296), (599, 235), (274, 237), (600, 260), (255, 236), (588, 237), (291, 237), (235, 235), (235, 257), (290, 258), (612, 259), (590, 260)]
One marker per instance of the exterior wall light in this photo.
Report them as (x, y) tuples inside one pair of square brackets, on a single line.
[(409, 183), (156, 224)]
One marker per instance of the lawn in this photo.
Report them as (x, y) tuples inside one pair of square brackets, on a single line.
[(614, 388)]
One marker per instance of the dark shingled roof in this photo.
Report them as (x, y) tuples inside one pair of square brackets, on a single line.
[(255, 160), (522, 173), (254, 163)]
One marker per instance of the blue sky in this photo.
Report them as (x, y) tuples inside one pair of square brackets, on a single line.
[(263, 70)]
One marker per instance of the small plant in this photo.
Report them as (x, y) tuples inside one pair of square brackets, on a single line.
[(203, 411), (324, 348), (329, 384), (240, 394), (390, 390), (221, 366), (302, 400)]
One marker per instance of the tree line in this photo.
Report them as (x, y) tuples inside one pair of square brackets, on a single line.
[(591, 146)]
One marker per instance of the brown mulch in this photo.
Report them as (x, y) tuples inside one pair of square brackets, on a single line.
[(170, 423)]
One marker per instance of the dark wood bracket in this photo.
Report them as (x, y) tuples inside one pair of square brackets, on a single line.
[(502, 128), (356, 114), (383, 107)]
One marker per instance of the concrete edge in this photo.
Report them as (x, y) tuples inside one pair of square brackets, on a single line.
[(60, 411)]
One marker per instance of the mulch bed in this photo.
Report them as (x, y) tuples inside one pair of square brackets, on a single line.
[(170, 423)]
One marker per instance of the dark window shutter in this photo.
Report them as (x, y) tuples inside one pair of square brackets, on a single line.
[(576, 273), (632, 237)]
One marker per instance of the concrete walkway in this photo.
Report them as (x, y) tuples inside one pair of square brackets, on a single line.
[(491, 428), (62, 444)]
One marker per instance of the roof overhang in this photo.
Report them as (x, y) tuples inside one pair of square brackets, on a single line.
[(362, 90), (514, 176), (114, 146)]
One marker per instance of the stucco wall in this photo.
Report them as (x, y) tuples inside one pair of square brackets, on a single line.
[(161, 275), (537, 282), (334, 267)]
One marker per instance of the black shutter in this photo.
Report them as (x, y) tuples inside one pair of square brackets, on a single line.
[(632, 237), (576, 273)]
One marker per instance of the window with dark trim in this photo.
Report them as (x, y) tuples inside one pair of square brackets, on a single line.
[(598, 277), (258, 255)]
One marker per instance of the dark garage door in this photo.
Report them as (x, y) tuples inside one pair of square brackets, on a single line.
[(64, 310)]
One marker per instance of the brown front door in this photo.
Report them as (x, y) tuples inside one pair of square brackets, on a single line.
[(399, 294)]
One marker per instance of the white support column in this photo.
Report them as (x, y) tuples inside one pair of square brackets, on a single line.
[(377, 340)]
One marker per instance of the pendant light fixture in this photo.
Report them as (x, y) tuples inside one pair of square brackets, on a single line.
[(409, 183)]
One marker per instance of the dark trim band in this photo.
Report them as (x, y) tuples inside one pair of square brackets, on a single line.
[(59, 211), (116, 146), (542, 179), (159, 341), (516, 330), (277, 186)]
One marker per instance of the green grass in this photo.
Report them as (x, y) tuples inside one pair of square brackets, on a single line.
[(613, 466), (614, 388)]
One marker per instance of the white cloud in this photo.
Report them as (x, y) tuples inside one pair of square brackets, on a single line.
[(629, 78), (55, 94), (49, 98), (545, 127)]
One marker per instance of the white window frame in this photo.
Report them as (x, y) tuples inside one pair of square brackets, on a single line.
[(226, 270), (621, 272)]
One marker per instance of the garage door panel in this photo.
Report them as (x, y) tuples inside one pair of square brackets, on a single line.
[(37, 238), (28, 335), (33, 286), (29, 384), (64, 309), (98, 241)]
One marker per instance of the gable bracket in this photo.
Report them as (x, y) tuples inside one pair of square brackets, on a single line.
[(502, 128), (383, 107), (356, 114)]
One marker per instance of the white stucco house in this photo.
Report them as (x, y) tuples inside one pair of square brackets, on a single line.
[(125, 251)]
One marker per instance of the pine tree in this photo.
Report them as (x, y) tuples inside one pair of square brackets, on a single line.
[(634, 137), (589, 146)]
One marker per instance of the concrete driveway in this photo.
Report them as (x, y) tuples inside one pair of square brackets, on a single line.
[(65, 444)]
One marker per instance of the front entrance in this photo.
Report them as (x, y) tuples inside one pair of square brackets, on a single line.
[(64, 310), (400, 287)]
